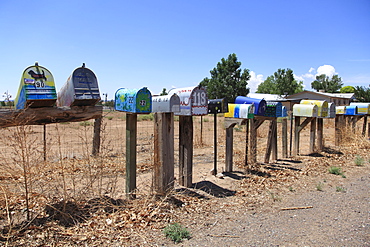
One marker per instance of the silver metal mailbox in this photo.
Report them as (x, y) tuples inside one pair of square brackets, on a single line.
[(166, 103), (331, 110), (193, 101)]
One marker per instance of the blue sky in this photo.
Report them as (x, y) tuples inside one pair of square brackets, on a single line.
[(164, 44)]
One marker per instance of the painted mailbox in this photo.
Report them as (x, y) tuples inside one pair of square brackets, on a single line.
[(37, 88), (133, 100), (259, 104), (351, 110), (166, 103), (331, 110), (80, 89), (340, 110), (362, 108), (321, 104), (217, 106), (240, 111), (305, 110), (273, 109), (193, 101)]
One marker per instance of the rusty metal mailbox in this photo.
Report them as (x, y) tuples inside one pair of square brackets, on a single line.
[(37, 88), (259, 104), (240, 111), (166, 103), (340, 110), (217, 106), (305, 110), (133, 100), (351, 110), (321, 104), (81, 89), (193, 101), (362, 108), (331, 110)]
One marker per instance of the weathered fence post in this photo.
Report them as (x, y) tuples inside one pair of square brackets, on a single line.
[(96, 138), (131, 136), (229, 148), (284, 137), (312, 136), (320, 134), (163, 153), (186, 151)]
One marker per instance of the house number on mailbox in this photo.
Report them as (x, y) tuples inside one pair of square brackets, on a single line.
[(199, 99), (142, 102)]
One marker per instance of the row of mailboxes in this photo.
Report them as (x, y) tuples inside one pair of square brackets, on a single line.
[(37, 88), (362, 108), (245, 111)]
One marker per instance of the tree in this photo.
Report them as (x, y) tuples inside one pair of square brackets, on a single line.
[(227, 80), (323, 82), (362, 94), (347, 89), (164, 92), (281, 83), (268, 86)]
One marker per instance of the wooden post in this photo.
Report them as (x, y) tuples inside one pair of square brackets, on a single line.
[(44, 142), (229, 148), (312, 136), (215, 142), (364, 126), (246, 142), (269, 142), (253, 142), (96, 138), (186, 151), (297, 121), (284, 137), (291, 134), (274, 141), (320, 134), (131, 135), (338, 130), (163, 153)]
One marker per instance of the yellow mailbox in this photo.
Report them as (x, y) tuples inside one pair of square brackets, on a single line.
[(321, 104)]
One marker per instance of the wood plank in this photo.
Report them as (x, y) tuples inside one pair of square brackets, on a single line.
[(297, 121), (96, 138), (274, 150), (269, 143), (48, 115), (284, 137), (320, 134), (246, 143), (253, 141), (312, 136), (229, 148)]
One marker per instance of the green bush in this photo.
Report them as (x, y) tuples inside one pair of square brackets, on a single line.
[(359, 161), (335, 170), (176, 232)]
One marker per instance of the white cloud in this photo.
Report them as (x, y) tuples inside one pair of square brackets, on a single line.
[(328, 70), (254, 81), (311, 70)]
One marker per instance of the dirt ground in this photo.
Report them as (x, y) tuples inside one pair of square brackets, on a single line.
[(290, 202)]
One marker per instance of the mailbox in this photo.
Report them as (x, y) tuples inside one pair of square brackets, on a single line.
[(193, 101), (217, 106), (133, 100), (273, 109), (81, 89), (362, 108), (351, 110), (340, 110), (37, 88), (166, 103), (331, 110), (284, 112), (259, 104), (305, 110), (240, 111), (321, 104)]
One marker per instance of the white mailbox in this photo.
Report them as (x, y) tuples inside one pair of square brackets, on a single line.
[(193, 101), (166, 103)]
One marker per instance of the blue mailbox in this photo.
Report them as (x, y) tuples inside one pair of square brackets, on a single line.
[(133, 100), (273, 109), (259, 104), (284, 112), (351, 110)]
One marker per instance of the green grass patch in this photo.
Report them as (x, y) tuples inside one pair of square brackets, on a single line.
[(176, 232), (359, 161)]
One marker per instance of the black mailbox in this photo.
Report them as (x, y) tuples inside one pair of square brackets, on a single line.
[(217, 106)]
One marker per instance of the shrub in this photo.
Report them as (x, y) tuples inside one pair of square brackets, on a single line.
[(335, 170), (176, 232), (359, 161)]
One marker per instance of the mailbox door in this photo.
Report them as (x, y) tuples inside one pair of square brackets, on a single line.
[(86, 89), (331, 110), (143, 101), (199, 101)]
